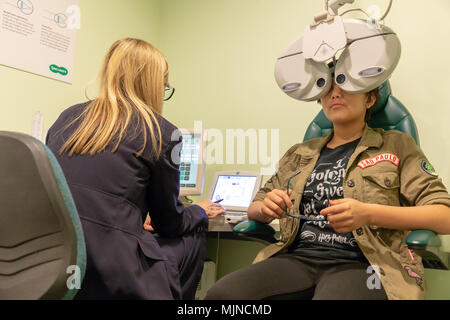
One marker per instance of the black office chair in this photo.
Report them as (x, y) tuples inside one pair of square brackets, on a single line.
[(389, 114), (42, 248)]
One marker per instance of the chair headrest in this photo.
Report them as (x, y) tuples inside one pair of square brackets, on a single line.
[(382, 98)]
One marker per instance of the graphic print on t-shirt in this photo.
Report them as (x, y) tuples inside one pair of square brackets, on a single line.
[(326, 183)]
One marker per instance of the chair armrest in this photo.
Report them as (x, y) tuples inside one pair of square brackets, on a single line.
[(254, 227), (427, 244), (255, 231), (422, 239)]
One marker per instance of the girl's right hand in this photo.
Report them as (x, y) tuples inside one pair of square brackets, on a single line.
[(275, 203)]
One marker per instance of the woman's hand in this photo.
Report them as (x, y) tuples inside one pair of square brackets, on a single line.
[(275, 203), (148, 224), (346, 215), (212, 209)]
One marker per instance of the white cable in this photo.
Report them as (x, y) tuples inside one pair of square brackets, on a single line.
[(387, 11), (381, 19), (350, 10)]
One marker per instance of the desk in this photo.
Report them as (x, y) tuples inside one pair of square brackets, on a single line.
[(218, 224)]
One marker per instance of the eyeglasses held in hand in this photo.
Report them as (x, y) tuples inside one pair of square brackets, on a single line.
[(304, 217)]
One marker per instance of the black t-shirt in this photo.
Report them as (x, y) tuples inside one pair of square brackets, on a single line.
[(317, 238)]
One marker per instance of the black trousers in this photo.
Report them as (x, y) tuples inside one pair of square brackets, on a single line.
[(184, 267), (288, 276), (186, 257)]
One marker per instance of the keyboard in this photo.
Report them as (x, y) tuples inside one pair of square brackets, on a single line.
[(235, 216)]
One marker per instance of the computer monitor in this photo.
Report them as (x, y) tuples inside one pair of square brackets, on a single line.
[(235, 189), (192, 162)]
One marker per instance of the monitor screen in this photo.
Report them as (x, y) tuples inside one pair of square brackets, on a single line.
[(236, 191), (190, 166)]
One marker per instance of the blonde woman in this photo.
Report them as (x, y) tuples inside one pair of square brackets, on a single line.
[(115, 152)]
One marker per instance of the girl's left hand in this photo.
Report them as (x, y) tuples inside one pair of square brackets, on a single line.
[(346, 215)]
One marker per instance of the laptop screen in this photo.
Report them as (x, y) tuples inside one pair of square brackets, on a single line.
[(236, 191)]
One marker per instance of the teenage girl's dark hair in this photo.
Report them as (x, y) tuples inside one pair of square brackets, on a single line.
[(369, 112)]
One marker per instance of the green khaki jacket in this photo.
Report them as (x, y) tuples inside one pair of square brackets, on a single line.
[(386, 168)]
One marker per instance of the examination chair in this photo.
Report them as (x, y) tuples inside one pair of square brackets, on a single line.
[(42, 248), (388, 113)]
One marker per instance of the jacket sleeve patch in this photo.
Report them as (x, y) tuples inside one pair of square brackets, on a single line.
[(415, 276), (428, 168)]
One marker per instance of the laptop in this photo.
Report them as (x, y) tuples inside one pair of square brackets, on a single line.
[(235, 191)]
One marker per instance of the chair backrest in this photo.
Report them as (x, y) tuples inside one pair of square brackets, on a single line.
[(388, 113), (42, 248)]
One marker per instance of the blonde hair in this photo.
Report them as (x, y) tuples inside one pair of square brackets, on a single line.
[(132, 83)]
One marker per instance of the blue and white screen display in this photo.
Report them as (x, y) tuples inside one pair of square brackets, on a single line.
[(236, 191)]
